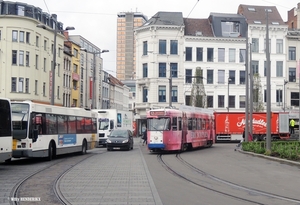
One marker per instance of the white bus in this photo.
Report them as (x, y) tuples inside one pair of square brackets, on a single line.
[(46, 131), (5, 130)]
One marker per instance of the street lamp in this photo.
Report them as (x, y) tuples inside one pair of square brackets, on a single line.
[(94, 75), (54, 56), (284, 95), (229, 80)]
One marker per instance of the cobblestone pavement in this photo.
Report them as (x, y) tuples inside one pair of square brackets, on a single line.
[(115, 177)]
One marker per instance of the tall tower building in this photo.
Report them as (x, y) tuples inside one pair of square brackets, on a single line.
[(127, 22)]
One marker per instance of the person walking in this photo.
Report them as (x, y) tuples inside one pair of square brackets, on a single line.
[(145, 136), (292, 125), (242, 140)]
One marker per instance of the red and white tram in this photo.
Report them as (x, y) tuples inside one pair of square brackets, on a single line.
[(186, 128)]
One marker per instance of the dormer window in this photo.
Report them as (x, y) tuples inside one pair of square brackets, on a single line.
[(257, 22), (230, 29)]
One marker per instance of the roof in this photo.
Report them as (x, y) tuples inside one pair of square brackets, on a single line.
[(198, 27), (256, 14), (166, 18), (115, 81)]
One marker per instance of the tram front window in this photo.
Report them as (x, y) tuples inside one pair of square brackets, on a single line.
[(159, 124)]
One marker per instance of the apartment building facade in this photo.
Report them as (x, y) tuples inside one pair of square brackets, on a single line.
[(126, 59), (216, 45)]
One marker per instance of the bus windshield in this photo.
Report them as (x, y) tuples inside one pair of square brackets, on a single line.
[(158, 124), (103, 123), (5, 119), (20, 113)]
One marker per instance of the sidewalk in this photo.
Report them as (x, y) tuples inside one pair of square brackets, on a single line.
[(115, 177)]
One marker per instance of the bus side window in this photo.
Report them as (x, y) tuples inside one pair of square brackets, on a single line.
[(111, 124)]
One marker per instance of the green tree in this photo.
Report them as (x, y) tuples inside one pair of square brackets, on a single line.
[(258, 105), (198, 97)]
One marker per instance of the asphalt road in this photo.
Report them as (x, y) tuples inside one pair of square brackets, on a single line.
[(225, 177)]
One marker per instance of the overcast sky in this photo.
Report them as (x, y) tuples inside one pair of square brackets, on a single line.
[(96, 20)]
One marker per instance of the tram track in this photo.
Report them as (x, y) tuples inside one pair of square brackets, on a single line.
[(44, 179), (236, 186)]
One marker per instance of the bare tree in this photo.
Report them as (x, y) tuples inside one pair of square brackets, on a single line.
[(198, 96), (258, 105)]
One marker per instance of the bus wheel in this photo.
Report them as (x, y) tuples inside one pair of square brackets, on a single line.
[(50, 152), (83, 148)]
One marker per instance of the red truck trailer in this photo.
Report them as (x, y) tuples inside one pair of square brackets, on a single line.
[(230, 125)]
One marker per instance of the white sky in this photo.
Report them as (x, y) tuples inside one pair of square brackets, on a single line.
[(96, 20)]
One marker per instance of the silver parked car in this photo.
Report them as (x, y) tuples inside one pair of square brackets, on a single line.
[(120, 139)]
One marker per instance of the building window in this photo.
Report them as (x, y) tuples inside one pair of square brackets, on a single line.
[(27, 37), (13, 84), (230, 29), (161, 93), (14, 57), (27, 58), (242, 101), (294, 98), (232, 55), (188, 53), (232, 101), (265, 96), (279, 96), (210, 55), (145, 70), (45, 64), (145, 94), (279, 46), (75, 53), (242, 77), (20, 10), (174, 47), (45, 45), (14, 36), (145, 48), (21, 58), (37, 39), (36, 61), (21, 85), (210, 76), (174, 93), (75, 68), (255, 67), (231, 77), (21, 36), (162, 47), (174, 70), (27, 85), (221, 101), (199, 54), (162, 70), (221, 54), (35, 87), (210, 101), (58, 90), (292, 74), (242, 55), (44, 89), (292, 53), (279, 68), (221, 76), (255, 45), (188, 75)]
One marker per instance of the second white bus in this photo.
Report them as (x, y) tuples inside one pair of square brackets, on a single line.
[(46, 131)]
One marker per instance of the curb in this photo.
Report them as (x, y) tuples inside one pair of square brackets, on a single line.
[(270, 158)]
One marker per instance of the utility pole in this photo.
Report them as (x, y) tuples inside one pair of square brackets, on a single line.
[(170, 87), (251, 91), (247, 88), (268, 141)]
